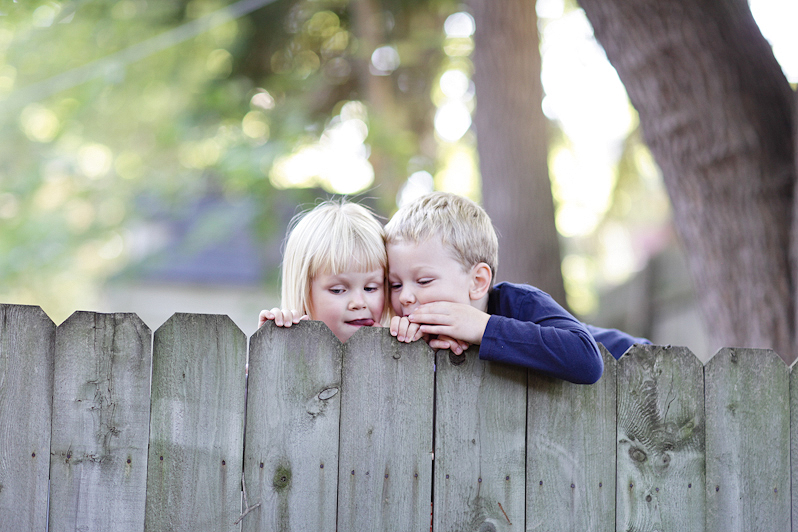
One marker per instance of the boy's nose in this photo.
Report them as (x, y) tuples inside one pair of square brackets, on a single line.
[(406, 297)]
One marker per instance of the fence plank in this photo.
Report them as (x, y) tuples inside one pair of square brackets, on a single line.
[(101, 407), (197, 424), (748, 441), (27, 344), (794, 443), (293, 412), (480, 443), (385, 473), (571, 453), (661, 441)]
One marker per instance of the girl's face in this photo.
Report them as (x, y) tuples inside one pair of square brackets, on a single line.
[(348, 301)]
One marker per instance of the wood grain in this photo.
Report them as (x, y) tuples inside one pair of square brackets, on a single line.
[(27, 346), (480, 444), (385, 469), (197, 427), (748, 441), (101, 411), (293, 413)]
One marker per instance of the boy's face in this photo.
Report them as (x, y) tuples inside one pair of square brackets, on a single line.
[(424, 273), (348, 301)]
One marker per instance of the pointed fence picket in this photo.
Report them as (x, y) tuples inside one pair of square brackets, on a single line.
[(106, 426)]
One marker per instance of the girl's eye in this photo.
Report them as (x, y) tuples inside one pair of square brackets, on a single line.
[(336, 290), (371, 288)]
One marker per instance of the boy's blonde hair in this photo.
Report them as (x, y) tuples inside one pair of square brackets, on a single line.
[(463, 226), (333, 237)]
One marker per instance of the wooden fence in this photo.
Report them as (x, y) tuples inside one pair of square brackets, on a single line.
[(107, 427)]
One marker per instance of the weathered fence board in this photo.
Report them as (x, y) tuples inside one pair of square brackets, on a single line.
[(794, 444), (100, 426), (340, 437), (385, 469), (480, 442), (660, 440), (571, 453), (197, 425), (27, 344), (748, 441), (293, 411)]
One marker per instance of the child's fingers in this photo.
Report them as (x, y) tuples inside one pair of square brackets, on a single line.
[(412, 333), (264, 316), (403, 329), (451, 345), (431, 318), (443, 341), (440, 330), (296, 316), (436, 308), (281, 317), (435, 343)]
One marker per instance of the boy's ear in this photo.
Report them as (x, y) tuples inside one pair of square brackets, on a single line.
[(481, 277)]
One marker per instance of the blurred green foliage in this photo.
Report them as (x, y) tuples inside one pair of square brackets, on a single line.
[(101, 124)]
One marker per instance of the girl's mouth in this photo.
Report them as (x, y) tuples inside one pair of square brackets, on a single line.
[(365, 322)]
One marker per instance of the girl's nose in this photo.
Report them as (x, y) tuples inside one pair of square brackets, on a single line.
[(357, 301)]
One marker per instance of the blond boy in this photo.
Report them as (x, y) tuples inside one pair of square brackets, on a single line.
[(442, 258)]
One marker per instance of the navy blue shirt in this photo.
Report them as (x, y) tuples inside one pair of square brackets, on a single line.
[(528, 328), (616, 342)]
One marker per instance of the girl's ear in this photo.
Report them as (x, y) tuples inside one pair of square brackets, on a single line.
[(481, 277)]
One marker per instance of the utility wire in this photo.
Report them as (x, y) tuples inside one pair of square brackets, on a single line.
[(112, 63)]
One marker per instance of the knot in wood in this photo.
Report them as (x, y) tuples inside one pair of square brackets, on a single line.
[(328, 393), (637, 454), (456, 360)]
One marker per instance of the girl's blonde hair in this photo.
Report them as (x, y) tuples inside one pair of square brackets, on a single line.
[(333, 237)]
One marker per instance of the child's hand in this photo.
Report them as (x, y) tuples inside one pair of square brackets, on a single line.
[(442, 341), (281, 317), (454, 320), (404, 330)]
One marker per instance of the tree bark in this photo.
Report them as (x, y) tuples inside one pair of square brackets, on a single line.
[(512, 143), (717, 113)]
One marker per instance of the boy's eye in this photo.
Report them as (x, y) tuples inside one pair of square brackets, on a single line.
[(424, 281), (396, 286)]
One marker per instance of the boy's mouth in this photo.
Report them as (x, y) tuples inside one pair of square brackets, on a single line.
[(365, 322)]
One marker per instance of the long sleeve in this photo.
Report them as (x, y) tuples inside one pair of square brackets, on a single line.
[(528, 328), (616, 342)]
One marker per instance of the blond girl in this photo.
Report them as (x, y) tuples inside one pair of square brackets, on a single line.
[(333, 270)]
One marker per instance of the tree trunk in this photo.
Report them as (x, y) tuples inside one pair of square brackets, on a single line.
[(512, 143), (716, 112), (378, 92)]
